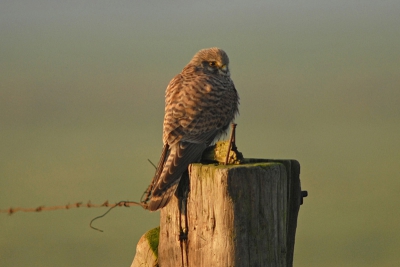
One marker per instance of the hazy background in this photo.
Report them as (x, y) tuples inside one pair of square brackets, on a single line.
[(82, 100)]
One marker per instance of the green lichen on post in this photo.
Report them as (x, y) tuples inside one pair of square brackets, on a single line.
[(246, 163), (153, 237), (217, 153)]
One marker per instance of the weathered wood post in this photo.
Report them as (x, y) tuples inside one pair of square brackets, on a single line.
[(234, 215)]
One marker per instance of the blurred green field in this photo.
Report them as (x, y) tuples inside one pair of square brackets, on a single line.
[(81, 109)]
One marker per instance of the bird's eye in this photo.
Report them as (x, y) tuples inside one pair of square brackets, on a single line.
[(212, 63)]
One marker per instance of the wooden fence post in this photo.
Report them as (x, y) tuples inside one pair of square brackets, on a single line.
[(234, 215)]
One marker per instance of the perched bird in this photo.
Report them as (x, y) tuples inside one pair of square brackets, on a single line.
[(200, 104)]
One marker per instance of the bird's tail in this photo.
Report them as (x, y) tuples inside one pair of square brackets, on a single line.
[(169, 171)]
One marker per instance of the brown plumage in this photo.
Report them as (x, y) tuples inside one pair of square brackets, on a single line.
[(200, 103)]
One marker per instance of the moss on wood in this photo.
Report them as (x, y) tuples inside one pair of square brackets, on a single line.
[(153, 237), (217, 153)]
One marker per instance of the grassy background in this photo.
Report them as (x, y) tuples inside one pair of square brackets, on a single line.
[(81, 107)]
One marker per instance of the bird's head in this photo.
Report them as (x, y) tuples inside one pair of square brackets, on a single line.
[(212, 60)]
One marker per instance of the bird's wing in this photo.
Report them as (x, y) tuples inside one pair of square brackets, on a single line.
[(197, 108), (169, 173)]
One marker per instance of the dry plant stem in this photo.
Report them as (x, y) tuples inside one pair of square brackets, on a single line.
[(231, 142)]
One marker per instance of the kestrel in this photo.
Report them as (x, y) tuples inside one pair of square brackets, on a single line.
[(200, 104)]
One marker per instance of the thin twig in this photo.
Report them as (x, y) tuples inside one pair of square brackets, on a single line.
[(231, 141), (155, 167), (119, 204)]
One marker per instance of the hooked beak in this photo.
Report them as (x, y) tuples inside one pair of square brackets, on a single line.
[(223, 70)]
